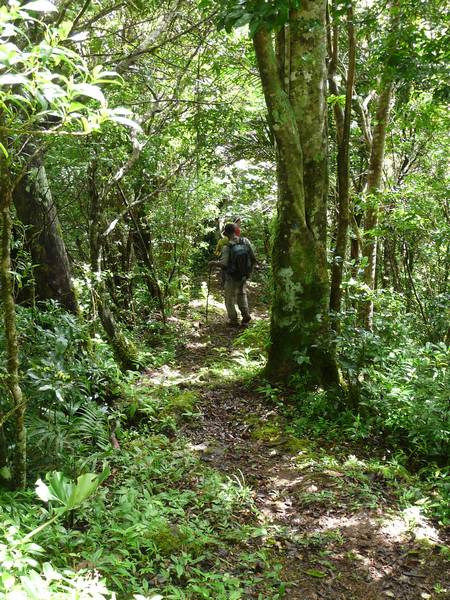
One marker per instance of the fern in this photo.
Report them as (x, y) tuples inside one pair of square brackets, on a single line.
[(51, 435), (91, 425)]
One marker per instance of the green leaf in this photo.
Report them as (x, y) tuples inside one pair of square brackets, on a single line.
[(126, 122), (92, 91), (315, 573), (244, 20), (40, 6), (75, 107), (20, 101), (33, 584), (12, 79), (333, 99), (8, 580), (86, 126), (5, 152), (50, 573), (67, 492), (64, 29), (52, 92), (60, 488), (85, 487)]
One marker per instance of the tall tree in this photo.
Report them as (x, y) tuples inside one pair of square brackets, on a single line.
[(296, 104), (372, 190), (376, 159), (9, 318)]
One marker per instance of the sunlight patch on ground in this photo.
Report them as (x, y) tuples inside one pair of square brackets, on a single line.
[(167, 376), (196, 345), (358, 521), (201, 304), (410, 521), (197, 447), (286, 482), (413, 521)]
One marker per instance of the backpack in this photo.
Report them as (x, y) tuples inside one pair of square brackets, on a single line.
[(239, 263)]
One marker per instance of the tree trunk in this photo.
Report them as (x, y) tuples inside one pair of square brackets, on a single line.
[(123, 349), (372, 191), (11, 338), (37, 211), (343, 169), (299, 320), (144, 249)]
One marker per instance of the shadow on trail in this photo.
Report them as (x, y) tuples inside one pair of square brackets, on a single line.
[(332, 542)]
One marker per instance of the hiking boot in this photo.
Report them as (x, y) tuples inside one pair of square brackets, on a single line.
[(246, 319)]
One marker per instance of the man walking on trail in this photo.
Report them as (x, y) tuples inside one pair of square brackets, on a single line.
[(237, 259)]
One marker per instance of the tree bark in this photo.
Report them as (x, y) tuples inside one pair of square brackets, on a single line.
[(37, 211), (372, 191), (299, 320), (144, 248)]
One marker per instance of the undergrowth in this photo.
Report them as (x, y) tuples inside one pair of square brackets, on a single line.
[(401, 416), (162, 525)]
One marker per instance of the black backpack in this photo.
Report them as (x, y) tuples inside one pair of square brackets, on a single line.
[(240, 262)]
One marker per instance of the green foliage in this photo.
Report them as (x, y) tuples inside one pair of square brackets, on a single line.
[(164, 524), (70, 388), (43, 81), (68, 494), (26, 571), (162, 407), (403, 382), (205, 154), (254, 13)]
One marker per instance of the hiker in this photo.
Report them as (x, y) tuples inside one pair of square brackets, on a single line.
[(237, 259), (219, 247)]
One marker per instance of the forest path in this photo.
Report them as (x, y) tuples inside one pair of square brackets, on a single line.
[(334, 527)]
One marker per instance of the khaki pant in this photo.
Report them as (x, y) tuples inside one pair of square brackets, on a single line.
[(235, 293)]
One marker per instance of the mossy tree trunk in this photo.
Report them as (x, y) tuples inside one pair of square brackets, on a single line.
[(37, 211), (297, 112), (9, 320)]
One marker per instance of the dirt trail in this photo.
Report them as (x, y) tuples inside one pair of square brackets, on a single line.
[(337, 540)]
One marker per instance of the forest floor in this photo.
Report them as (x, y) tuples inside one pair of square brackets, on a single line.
[(331, 523)]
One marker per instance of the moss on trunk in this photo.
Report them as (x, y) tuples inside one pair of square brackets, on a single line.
[(300, 334), (9, 319)]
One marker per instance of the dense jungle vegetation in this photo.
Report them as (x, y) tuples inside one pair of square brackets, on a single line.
[(149, 451)]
